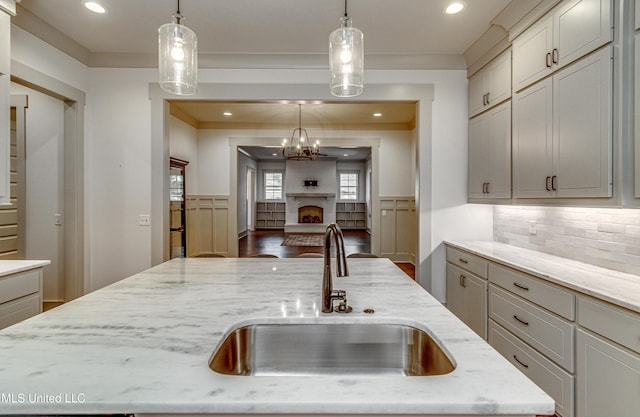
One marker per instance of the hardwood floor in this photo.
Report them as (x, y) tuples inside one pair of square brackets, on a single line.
[(269, 241)]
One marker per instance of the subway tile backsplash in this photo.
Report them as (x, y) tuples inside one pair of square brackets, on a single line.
[(609, 238)]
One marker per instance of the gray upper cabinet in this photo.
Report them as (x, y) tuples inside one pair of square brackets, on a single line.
[(637, 15), (569, 32), (490, 154), (562, 132), (637, 108), (491, 85)]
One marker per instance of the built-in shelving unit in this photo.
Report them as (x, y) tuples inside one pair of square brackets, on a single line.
[(351, 215), (270, 215)]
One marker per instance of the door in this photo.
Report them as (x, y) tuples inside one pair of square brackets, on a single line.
[(177, 213)]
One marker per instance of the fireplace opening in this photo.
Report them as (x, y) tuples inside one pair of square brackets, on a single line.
[(310, 214)]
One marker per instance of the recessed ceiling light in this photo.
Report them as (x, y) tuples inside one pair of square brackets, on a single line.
[(377, 114), (95, 7), (346, 154), (228, 113), (274, 154), (454, 8)]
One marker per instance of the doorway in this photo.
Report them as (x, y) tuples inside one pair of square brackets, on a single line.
[(177, 208), (251, 198)]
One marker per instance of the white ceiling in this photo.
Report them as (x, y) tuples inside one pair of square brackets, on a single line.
[(270, 34), (284, 28)]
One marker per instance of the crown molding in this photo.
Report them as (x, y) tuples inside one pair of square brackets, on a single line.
[(8, 6), (44, 31)]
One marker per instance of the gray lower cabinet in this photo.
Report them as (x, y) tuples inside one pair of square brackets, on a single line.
[(20, 296), (467, 289), (608, 360)]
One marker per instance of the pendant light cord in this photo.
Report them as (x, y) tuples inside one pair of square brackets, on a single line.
[(178, 15), (345, 8)]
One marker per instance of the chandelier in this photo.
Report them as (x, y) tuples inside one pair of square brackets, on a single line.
[(300, 147), (346, 59), (177, 57)]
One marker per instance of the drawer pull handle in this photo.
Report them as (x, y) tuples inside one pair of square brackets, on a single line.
[(522, 287), (520, 362), (463, 261), (526, 323)]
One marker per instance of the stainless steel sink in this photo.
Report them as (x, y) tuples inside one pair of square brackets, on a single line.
[(330, 349)]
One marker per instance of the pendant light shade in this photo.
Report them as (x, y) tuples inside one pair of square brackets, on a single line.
[(178, 57), (346, 59)]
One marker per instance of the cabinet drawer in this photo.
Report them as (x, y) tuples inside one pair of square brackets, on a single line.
[(465, 260), (550, 377), (547, 333), (615, 323), (21, 309), (19, 285), (552, 298)]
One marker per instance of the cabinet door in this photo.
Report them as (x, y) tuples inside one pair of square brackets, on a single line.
[(478, 87), (467, 298), (476, 304), (530, 60), (455, 292), (499, 79), (5, 44), (637, 106), (499, 155), (478, 156), (533, 139), (583, 127), (608, 378), (581, 26), (637, 15), (5, 143)]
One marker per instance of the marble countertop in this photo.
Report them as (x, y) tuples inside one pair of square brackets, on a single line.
[(12, 267), (605, 284), (142, 345)]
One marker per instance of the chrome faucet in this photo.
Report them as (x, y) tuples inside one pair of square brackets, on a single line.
[(328, 293)]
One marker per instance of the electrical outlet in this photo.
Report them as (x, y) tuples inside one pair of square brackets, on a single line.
[(58, 220), (145, 220), (533, 227)]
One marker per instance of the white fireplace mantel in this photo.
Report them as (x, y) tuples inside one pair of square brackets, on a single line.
[(326, 196)]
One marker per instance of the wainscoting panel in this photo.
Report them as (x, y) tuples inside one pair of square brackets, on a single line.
[(207, 224), (398, 228)]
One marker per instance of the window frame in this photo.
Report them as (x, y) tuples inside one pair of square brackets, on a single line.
[(264, 184), (357, 185)]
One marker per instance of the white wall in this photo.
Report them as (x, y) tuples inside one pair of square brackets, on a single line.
[(118, 140), (45, 187), (184, 145)]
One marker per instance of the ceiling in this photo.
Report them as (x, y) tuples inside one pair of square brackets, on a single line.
[(399, 34), (230, 31)]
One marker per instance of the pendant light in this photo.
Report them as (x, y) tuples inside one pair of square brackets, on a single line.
[(346, 59), (300, 147), (178, 57)]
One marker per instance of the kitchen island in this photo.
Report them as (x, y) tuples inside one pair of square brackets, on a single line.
[(142, 345)]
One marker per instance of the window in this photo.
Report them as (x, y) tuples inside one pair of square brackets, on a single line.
[(348, 186), (273, 185)]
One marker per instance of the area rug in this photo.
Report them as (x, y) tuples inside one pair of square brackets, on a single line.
[(308, 239)]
